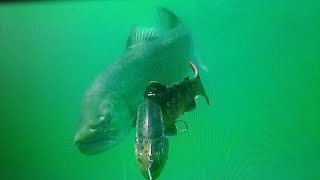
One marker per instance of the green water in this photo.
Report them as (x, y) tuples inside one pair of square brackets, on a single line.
[(263, 81)]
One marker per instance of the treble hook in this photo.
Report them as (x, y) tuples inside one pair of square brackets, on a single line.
[(186, 128)]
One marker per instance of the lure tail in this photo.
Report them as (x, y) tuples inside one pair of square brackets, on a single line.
[(199, 90)]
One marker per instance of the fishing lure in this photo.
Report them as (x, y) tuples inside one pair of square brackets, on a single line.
[(156, 118), (176, 99), (151, 145)]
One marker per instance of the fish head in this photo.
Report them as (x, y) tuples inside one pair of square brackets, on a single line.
[(105, 121)]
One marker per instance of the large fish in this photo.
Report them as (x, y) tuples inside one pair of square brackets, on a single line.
[(109, 106)]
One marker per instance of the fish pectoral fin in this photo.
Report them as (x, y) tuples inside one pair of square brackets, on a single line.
[(141, 34)]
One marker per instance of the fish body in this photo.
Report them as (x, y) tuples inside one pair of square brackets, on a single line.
[(151, 145), (109, 106)]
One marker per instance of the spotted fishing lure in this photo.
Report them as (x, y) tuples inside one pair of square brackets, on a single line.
[(157, 117), (151, 145)]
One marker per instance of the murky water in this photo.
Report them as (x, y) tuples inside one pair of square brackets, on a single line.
[(263, 81)]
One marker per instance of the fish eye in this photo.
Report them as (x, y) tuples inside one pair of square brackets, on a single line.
[(103, 120)]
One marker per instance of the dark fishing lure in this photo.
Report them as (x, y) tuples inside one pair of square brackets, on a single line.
[(176, 99), (156, 118)]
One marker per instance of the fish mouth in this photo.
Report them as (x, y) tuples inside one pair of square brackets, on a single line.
[(96, 147), (96, 144)]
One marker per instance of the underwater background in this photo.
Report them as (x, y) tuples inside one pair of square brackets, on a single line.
[(263, 80)]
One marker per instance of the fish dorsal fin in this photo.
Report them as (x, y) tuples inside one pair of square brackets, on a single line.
[(168, 19), (141, 34)]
